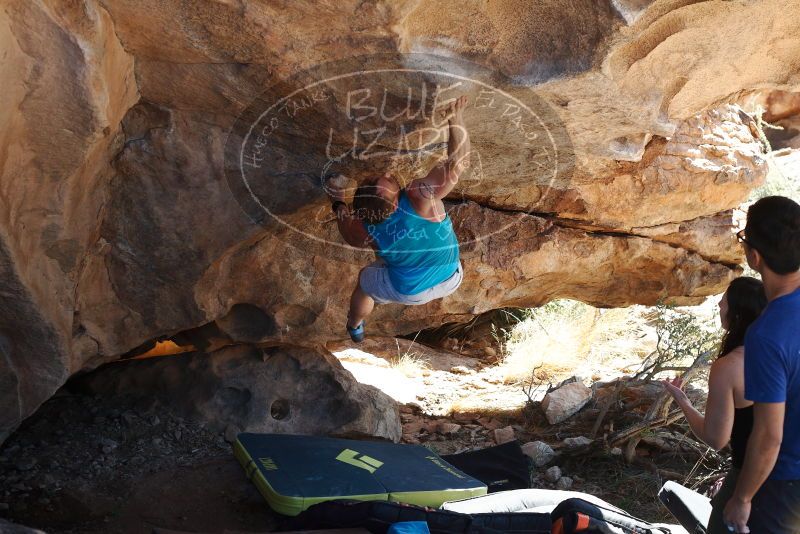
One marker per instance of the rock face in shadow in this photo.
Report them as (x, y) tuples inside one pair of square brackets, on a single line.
[(286, 390), (607, 160), (12, 528)]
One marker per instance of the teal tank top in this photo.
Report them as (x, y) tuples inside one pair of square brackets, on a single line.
[(418, 253)]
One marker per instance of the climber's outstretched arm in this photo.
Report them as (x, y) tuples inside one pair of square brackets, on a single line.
[(351, 228), (444, 177)]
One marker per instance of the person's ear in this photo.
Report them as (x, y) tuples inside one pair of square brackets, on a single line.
[(754, 258)]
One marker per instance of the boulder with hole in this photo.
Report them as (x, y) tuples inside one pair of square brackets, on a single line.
[(241, 388)]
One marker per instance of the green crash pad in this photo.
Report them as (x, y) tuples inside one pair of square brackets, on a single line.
[(295, 472)]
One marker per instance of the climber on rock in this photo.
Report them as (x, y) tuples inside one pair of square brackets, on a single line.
[(409, 230)]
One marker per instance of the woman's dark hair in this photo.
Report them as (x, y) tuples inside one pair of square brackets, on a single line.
[(746, 301)]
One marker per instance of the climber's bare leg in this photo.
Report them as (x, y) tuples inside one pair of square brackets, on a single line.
[(361, 305)]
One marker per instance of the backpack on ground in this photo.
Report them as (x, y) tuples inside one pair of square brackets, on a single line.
[(502, 467), (577, 515)]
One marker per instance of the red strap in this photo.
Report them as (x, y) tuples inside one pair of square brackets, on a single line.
[(582, 523)]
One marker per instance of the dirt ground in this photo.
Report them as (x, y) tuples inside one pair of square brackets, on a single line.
[(97, 465), (92, 465)]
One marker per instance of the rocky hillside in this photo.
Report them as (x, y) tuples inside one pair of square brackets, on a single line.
[(609, 145)]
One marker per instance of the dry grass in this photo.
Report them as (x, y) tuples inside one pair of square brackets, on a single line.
[(551, 338), (566, 338), (409, 363)]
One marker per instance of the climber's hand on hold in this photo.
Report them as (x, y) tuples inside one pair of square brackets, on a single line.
[(336, 188), (452, 112), (456, 109), (441, 180)]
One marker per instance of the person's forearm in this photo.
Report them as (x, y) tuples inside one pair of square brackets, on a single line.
[(458, 147), (344, 221), (696, 420), (760, 458)]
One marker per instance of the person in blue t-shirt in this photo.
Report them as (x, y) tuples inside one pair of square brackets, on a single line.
[(767, 495), (409, 230)]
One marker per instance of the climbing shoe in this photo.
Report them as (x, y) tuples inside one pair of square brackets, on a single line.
[(357, 333)]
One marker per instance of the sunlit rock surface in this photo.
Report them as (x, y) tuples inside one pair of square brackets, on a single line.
[(121, 224)]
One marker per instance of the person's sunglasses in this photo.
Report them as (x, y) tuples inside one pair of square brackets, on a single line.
[(742, 239)]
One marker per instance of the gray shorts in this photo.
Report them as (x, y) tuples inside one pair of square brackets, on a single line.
[(375, 282)]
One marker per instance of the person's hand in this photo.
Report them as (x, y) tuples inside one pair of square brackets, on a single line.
[(715, 487), (736, 515), (453, 111), (675, 388), (336, 187)]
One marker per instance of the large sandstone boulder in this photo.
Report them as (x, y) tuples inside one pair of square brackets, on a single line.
[(123, 220), (289, 390)]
